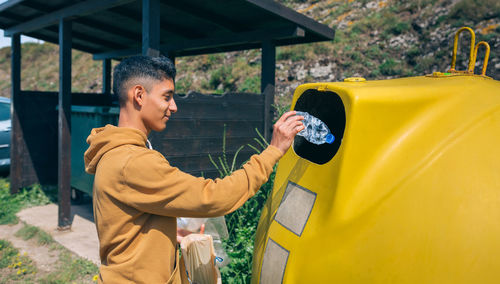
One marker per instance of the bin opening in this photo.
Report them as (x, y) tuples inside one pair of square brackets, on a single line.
[(328, 107)]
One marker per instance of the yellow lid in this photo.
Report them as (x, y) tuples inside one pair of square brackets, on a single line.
[(354, 79)]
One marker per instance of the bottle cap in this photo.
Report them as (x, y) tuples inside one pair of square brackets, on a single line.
[(329, 138)]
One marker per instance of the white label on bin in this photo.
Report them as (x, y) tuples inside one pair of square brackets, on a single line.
[(295, 208), (273, 263)]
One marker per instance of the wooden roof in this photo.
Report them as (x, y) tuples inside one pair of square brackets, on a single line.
[(113, 28)]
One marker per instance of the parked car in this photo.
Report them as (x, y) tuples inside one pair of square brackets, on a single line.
[(5, 126)]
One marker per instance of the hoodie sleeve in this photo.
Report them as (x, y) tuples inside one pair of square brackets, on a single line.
[(153, 186)]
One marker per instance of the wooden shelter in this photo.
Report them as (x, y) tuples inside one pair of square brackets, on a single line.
[(111, 29)]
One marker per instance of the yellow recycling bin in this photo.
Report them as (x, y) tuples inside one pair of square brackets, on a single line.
[(409, 192)]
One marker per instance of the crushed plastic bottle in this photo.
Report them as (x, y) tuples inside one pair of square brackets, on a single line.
[(315, 130)]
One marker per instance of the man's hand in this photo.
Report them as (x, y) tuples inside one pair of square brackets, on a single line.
[(285, 129)]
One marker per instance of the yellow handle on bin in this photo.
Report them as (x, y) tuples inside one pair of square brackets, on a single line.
[(486, 56), (471, 53)]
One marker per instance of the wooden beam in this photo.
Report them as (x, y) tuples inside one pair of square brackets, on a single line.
[(6, 5), (80, 9), (170, 56), (267, 83), (174, 28), (106, 76), (268, 65), (230, 42), (295, 17), (17, 137), (91, 23), (49, 35), (218, 19), (151, 27), (117, 54), (53, 37), (235, 39), (64, 129), (99, 41)]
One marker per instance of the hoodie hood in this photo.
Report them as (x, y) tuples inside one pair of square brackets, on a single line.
[(104, 139)]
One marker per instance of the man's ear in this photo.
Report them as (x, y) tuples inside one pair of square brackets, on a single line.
[(138, 93)]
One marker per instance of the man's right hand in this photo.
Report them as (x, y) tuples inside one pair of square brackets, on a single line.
[(285, 129)]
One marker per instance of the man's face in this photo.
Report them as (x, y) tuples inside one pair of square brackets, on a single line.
[(158, 105)]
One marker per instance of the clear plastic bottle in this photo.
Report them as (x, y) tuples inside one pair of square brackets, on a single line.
[(315, 130)]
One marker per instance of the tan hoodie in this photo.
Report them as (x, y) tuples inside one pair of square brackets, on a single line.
[(137, 195)]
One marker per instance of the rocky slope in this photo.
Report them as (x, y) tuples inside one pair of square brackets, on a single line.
[(386, 39), (374, 39)]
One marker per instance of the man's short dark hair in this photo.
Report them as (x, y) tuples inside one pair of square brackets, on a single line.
[(140, 69)]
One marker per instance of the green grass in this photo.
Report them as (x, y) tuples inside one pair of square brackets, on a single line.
[(70, 269), (16, 268), (28, 197), (29, 232)]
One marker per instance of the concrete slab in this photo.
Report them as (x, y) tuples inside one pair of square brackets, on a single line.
[(81, 239)]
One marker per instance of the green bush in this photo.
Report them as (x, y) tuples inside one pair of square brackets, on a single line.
[(400, 28), (183, 85), (390, 67), (293, 53), (222, 76), (412, 55), (321, 48), (356, 56), (250, 85), (374, 52)]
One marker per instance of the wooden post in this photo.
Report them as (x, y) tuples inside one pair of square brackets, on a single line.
[(267, 85), (151, 27), (106, 76), (64, 129), (17, 133), (171, 57)]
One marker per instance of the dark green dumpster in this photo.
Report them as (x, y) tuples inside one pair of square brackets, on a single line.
[(83, 119)]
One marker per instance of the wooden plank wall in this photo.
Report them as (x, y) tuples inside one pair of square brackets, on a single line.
[(192, 133), (38, 120), (196, 130)]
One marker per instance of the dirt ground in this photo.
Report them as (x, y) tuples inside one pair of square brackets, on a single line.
[(49, 261)]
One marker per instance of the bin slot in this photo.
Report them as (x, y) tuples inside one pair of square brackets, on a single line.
[(328, 107)]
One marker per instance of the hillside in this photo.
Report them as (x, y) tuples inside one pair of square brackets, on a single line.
[(374, 39)]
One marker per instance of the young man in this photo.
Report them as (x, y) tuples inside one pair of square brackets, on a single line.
[(138, 194)]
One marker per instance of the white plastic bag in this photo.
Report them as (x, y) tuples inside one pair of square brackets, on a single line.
[(215, 227), (190, 224)]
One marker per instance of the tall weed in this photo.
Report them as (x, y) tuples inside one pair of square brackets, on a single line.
[(242, 223)]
